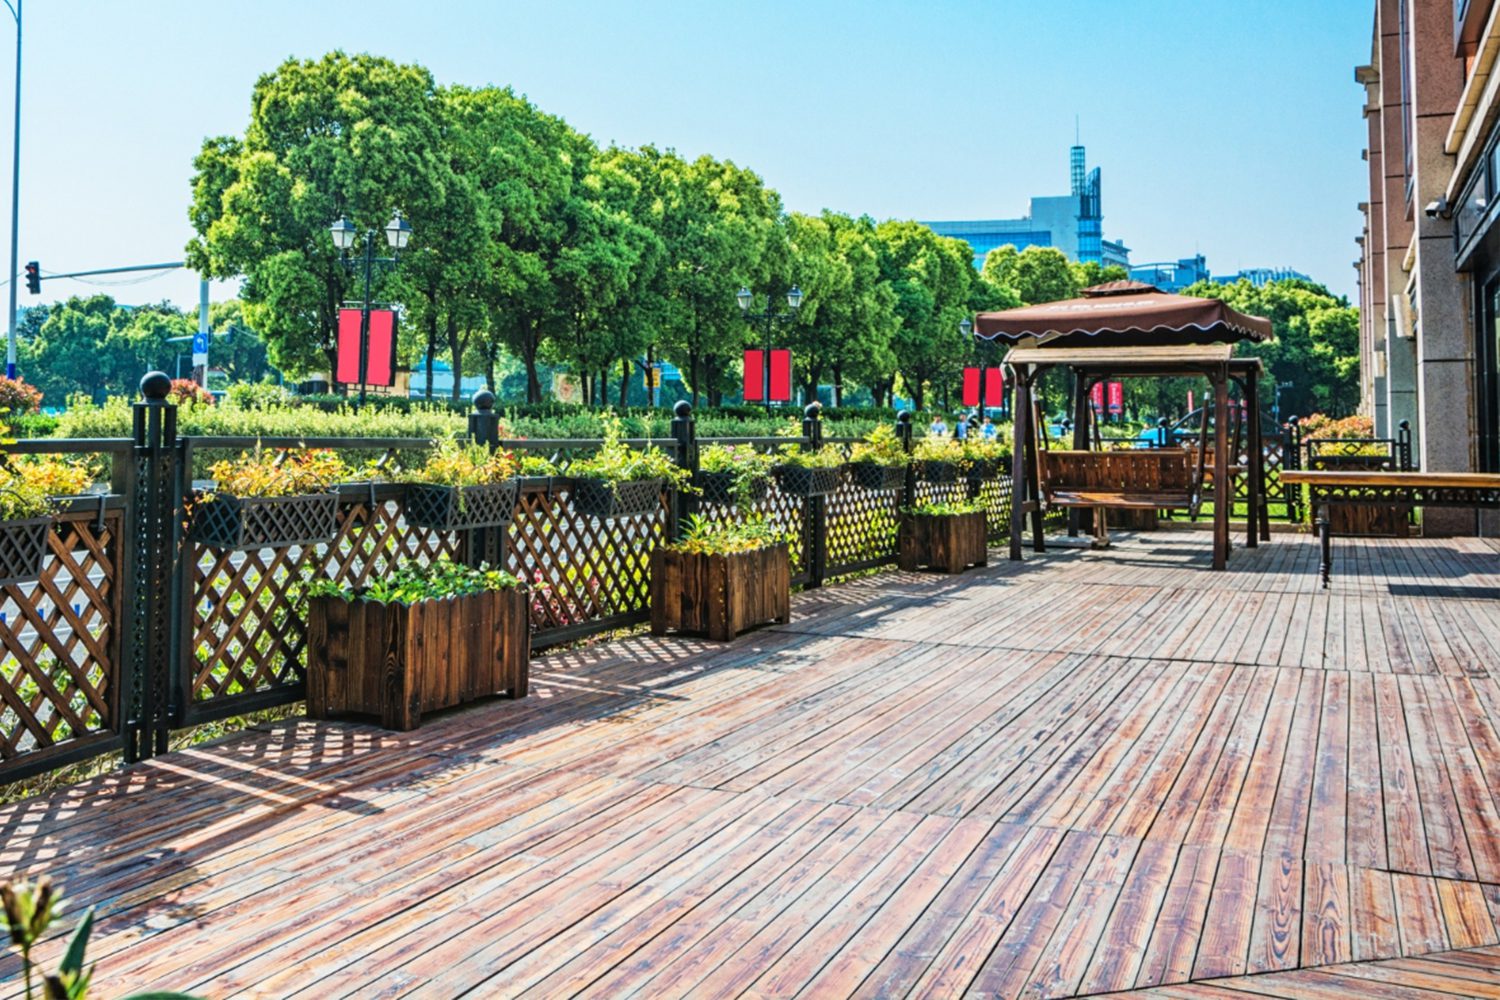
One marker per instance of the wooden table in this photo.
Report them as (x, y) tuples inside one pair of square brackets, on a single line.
[(1353, 487)]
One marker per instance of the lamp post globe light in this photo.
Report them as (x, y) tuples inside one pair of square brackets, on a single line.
[(770, 317), (345, 234)]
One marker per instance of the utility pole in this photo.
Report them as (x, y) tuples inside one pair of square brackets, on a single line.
[(15, 203)]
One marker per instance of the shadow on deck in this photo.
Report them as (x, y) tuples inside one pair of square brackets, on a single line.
[(1084, 773)]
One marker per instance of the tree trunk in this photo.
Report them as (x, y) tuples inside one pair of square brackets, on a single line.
[(432, 336), (456, 351), (693, 361), (490, 357), (528, 358), (838, 386), (624, 380), (917, 396)]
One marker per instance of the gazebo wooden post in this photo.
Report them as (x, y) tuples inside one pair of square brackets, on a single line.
[(1223, 477), (1254, 466), (1022, 428), (1080, 435), (1034, 469)]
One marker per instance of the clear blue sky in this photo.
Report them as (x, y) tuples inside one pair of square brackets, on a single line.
[(1224, 126)]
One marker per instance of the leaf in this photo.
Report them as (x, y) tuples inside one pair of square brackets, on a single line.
[(72, 960)]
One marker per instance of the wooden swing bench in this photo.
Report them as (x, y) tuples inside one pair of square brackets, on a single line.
[(1143, 479)]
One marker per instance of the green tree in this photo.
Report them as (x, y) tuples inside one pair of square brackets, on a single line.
[(1315, 345), (932, 277), (342, 135)]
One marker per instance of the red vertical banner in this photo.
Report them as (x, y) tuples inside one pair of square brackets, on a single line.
[(1191, 407), (1116, 398), (755, 374), (380, 369), (346, 367), (994, 387), (781, 376), (971, 386), (1096, 397)]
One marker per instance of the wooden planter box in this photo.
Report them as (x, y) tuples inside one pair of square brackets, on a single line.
[(718, 488), (461, 508), (949, 543), (23, 548), (933, 470), (224, 521), (801, 481), (603, 498), (719, 596), (398, 661), (877, 477)]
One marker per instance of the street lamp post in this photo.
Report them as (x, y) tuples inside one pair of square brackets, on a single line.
[(15, 202), (344, 232), (1276, 402), (771, 317)]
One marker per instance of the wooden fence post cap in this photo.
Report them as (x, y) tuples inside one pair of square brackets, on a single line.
[(484, 400), (811, 410), (903, 417), (682, 409), (156, 385)]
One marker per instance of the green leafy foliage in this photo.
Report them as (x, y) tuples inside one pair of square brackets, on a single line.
[(945, 508), (749, 467), (454, 463), (881, 446), (617, 462), (409, 583), (797, 457), (30, 485), (702, 536), (270, 473)]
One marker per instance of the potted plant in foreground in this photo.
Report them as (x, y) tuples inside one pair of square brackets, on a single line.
[(30, 490), (461, 487), (808, 472), (423, 638), (620, 481), (269, 499), (879, 461), (943, 536), (735, 474), (720, 579)]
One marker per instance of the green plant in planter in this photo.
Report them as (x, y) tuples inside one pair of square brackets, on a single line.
[(747, 470), (978, 449), (442, 578), (455, 463), (536, 465), (881, 446), (796, 457), (701, 536), (30, 486), (266, 474), (938, 449), (616, 462), (945, 508)]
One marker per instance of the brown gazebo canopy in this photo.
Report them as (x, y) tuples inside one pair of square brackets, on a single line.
[(1124, 314), (1130, 328)]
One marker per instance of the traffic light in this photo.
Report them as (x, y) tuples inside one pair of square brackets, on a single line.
[(33, 277)]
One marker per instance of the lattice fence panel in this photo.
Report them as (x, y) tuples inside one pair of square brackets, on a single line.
[(581, 568), (861, 526), (249, 618), (60, 666)]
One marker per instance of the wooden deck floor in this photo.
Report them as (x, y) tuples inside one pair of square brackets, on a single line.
[(1091, 773)]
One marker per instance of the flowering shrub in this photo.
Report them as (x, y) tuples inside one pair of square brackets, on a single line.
[(16, 396), (1320, 426), (185, 391)]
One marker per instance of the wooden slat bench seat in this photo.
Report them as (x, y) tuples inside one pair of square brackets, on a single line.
[(1144, 479), (1330, 488)]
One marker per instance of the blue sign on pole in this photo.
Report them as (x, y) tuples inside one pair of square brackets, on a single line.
[(200, 343)]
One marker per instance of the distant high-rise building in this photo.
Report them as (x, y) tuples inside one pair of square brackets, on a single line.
[(1172, 276), (1073, 223)]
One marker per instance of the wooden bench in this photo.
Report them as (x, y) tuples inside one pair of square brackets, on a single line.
[(1143, 479), (1330, 488)]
